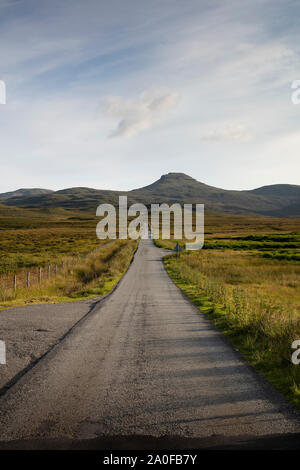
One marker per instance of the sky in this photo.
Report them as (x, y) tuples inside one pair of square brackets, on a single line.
[(111, 94)]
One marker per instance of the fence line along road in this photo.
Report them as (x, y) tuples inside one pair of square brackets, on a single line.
[(42, 274)]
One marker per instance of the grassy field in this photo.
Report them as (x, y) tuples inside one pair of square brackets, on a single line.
[(40, 247), (247, 280), (31, 238), (94, 275), (58, 240)]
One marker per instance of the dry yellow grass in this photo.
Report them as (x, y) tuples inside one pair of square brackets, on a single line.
[(279, 281), (94, 275), (247, 280)]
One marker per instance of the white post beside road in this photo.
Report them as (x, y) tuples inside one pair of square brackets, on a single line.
[(2, 353)]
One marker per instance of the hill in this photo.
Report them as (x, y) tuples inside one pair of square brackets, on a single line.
[(280, 200), (27, 192)]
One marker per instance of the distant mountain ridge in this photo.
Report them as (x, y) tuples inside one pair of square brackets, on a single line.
[(25, 192), (279, 200)]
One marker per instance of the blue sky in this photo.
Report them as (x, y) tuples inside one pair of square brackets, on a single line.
[(112, 94)]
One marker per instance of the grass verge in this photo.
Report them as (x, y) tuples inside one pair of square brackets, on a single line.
[(259, 326), (94, 276)]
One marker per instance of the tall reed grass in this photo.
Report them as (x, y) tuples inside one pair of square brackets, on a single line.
[(93, 275)]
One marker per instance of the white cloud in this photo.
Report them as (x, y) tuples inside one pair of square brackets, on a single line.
[(137, 114)]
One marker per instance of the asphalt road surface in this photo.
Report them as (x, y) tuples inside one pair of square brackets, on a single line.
[(145, 368)]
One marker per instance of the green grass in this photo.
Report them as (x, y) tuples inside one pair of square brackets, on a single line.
[(40, 247), (240, 302), (33, 238), (95, 275), (247, 281)]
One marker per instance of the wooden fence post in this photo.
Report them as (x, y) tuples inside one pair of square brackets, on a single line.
[(39, 275), (49, 271), (55, 270), (28, 280), (15, 282)]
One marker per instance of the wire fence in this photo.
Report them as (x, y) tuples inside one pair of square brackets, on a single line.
[(35, 276)]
